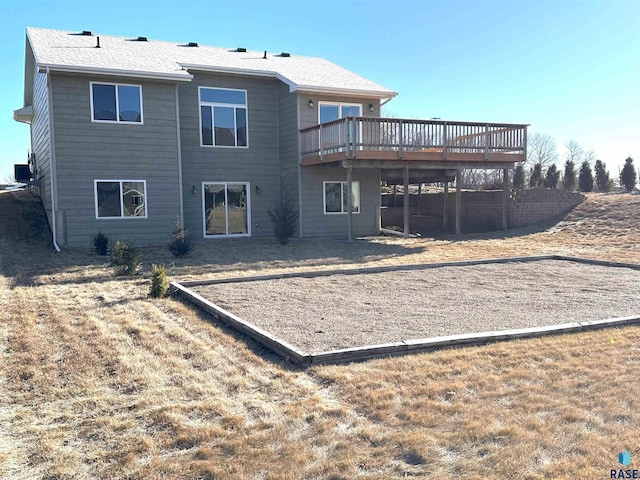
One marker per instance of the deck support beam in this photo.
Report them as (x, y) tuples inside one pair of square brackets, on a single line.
[(405, 201), (445, 213), (458, 200), (505, 198), (349, 203)]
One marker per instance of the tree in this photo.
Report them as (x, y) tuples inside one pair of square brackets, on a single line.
[(552, 177), (284, 218), (603, 182), (180, 242), (541, 148), (569, 178), (535, 179), (628, 175), (518, 177), (585, 177), (574, 152)]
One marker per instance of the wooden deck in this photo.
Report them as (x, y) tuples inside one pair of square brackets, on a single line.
[(417, 144)]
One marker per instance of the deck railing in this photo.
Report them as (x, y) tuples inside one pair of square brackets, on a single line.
[(352, 134)]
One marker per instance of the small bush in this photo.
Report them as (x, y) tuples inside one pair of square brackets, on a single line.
[(180, 244), (100, 242), (125, 256), (159, 282), (284, 218)]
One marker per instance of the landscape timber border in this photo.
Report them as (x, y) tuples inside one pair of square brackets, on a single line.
[(295, 355)]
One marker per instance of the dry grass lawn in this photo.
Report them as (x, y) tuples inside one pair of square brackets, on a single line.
[(97, 381)]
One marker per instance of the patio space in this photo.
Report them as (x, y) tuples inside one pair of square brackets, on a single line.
[(325, 312)]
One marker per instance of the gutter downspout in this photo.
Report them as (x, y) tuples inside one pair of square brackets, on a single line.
[(179, 144), (52, 160)]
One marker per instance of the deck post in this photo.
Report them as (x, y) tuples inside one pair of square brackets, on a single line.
[(505, 198), (349, 203), (458, 200), (405, 201), (445, 214)]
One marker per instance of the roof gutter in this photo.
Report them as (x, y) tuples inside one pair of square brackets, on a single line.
[(24, 114), (381, 94), (233, 70), (52, 167), (293, 87), (174, 77)]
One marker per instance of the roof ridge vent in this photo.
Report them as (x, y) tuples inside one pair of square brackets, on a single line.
[(86, 33), (241, 49), (192, 44), (285, 54), (141, 39)]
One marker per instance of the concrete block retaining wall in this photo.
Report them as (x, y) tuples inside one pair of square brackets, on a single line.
[(482, 210)]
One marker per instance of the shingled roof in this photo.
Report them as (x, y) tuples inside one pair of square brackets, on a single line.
[(75, 52)]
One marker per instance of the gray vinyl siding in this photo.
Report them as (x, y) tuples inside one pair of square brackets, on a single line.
[(289, 143), (87, 151), (309, 116), (40, 140), (258, 164), (313, 220), (317, 224)]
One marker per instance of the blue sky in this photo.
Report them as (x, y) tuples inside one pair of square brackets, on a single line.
[(570, 69)]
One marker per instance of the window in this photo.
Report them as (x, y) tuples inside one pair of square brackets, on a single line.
[(223, 117), (121, 198), (339, 136), (335, 197), (328, 112), (226, 210), (116, 103)]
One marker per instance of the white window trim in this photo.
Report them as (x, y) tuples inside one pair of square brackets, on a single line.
[(227, 235), (340, 105), (324, 197), (122, 216), (221, 104), (117, 120)]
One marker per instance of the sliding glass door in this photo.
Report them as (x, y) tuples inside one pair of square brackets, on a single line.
[(226, 209)]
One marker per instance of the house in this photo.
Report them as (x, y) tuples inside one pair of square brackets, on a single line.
[(130, 135)]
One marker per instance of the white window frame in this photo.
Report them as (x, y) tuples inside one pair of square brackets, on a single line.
[(227, 105), (342, 200), (117, 120), (226, 202), (122, 216), (340, 105)]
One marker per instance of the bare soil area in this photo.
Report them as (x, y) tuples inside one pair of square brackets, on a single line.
[(340, 311)]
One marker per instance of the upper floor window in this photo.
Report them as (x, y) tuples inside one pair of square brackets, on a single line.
[(112, 102), (121, 198), (329, 111), (223, 117)]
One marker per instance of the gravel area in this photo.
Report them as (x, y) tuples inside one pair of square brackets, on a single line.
[(341, 311)]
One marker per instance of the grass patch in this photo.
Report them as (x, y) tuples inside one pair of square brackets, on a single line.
[(97, 380)]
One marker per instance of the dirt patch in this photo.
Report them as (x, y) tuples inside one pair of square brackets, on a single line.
[(342, 311)]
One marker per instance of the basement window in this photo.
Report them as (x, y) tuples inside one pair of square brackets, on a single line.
[(121, 198), (112, 102), (335, 197)]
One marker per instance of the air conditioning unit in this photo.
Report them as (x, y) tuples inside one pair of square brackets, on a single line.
[(21, 173)]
